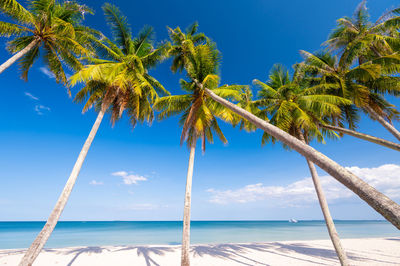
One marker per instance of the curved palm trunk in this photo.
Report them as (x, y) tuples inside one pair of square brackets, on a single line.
[(185, 260), (327, 215), (363, 136), (383, 122), (17, 56), (325, 210), (381, 203), (48, 228)]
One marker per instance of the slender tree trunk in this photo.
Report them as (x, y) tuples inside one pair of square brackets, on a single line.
[(383, 122), (44, 235), (325, 211), (185, 260), (379, 141), (327, 215), (381, 203), (18, 55)]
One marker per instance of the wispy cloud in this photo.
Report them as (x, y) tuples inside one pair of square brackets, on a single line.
[(40, 109), (29, 95), (129, 178), (385, 178), (96, 183), (50, 74), (47, 72)]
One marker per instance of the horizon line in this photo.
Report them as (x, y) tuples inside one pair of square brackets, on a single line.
[(280, 220)]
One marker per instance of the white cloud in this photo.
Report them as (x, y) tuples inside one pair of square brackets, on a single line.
[(47, 72), (29, 95), (39, 109), (50, 74), (385, 178), (129, 178), (96, 183)]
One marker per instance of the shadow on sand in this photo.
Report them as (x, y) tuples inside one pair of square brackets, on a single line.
[(394, 239), (147, 252), (82, 250), (236, 253)]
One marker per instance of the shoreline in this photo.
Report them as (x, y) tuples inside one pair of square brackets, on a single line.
[(361, 251)]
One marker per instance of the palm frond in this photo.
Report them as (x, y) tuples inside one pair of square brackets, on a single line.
[(16, 11), (10, 29), (120, 28)]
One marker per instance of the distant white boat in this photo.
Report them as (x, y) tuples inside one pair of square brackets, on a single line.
[(292, 221)]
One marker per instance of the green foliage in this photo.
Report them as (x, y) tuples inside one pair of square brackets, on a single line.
[(357, 84), (359, 39), (16, 11), (119, 80), (296, 107), (119, 27), (55, 26), (196, 54), (183, 45)]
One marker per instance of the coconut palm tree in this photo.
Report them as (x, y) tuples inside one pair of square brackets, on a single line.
[(299, 110), (199, 112), (389, 209), (357, 38), (117, 82), (364, 85), (183, 42), (378, 201), (49, 25)]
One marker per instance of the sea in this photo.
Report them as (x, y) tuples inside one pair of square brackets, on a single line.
[(14, 235)]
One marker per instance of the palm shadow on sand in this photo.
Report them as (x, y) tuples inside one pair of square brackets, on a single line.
[(231, 252), (82, 250), (323, 253), (237, 253), (147, 252)]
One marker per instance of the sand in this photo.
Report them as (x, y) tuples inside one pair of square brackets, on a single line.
[(371, 251)]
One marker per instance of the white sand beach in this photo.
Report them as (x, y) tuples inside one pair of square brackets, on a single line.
[(371, 251)]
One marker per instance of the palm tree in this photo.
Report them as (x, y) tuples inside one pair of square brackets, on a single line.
[(357, 38), (363, 85), (184, 42), (119, 81), (48, 24), (378, 201), (249, 105), (296, 109), (199, 112)]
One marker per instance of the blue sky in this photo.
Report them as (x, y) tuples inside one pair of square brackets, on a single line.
[(42, 131)]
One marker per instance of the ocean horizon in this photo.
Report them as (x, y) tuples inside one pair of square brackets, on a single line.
[(20, 234)]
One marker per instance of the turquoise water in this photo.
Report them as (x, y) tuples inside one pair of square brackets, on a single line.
[(21, 234)]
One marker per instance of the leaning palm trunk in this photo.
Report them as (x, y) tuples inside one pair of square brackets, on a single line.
[(17, 56), (44, 235), (363, 136), (327, 215), (383, 122), (325, 211), (381, 203), (185, 260)]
